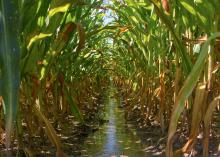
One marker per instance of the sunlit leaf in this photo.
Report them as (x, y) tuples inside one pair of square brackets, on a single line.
[(186, 90), (59, 9), (188, 5), (38, 37)]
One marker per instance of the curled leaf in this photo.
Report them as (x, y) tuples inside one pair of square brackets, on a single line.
[(185, 92), (38, 37), (59, 9), (51, 133), (82, 37), (165, 5)]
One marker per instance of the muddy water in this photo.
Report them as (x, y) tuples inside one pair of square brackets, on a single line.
[(115, 138)]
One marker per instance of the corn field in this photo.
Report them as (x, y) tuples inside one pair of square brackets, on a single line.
[(58, 58)]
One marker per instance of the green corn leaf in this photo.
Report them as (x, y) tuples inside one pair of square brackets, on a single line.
[(188, 5), (59, 9), (188, 87), (187, 64), (9, 60), (38, 37), (74, 108)]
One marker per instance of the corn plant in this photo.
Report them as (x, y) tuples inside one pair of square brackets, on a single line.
[(162, 55), (162, 35)]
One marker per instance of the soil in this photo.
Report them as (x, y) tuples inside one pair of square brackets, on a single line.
[(72, 135)]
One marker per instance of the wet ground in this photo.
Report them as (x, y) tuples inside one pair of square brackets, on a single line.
[(115, 138)]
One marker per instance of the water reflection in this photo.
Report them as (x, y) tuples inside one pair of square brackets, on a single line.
[(111, 146), (114, 139)]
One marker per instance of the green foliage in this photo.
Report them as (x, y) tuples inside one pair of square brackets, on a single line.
[(9, 63), (68, 50)]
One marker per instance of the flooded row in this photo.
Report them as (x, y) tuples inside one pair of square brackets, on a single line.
[(115, 138)]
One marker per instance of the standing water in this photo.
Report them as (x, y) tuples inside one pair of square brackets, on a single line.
[(115, 138)]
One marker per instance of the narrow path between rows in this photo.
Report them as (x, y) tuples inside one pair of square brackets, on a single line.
[(115, 138)]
